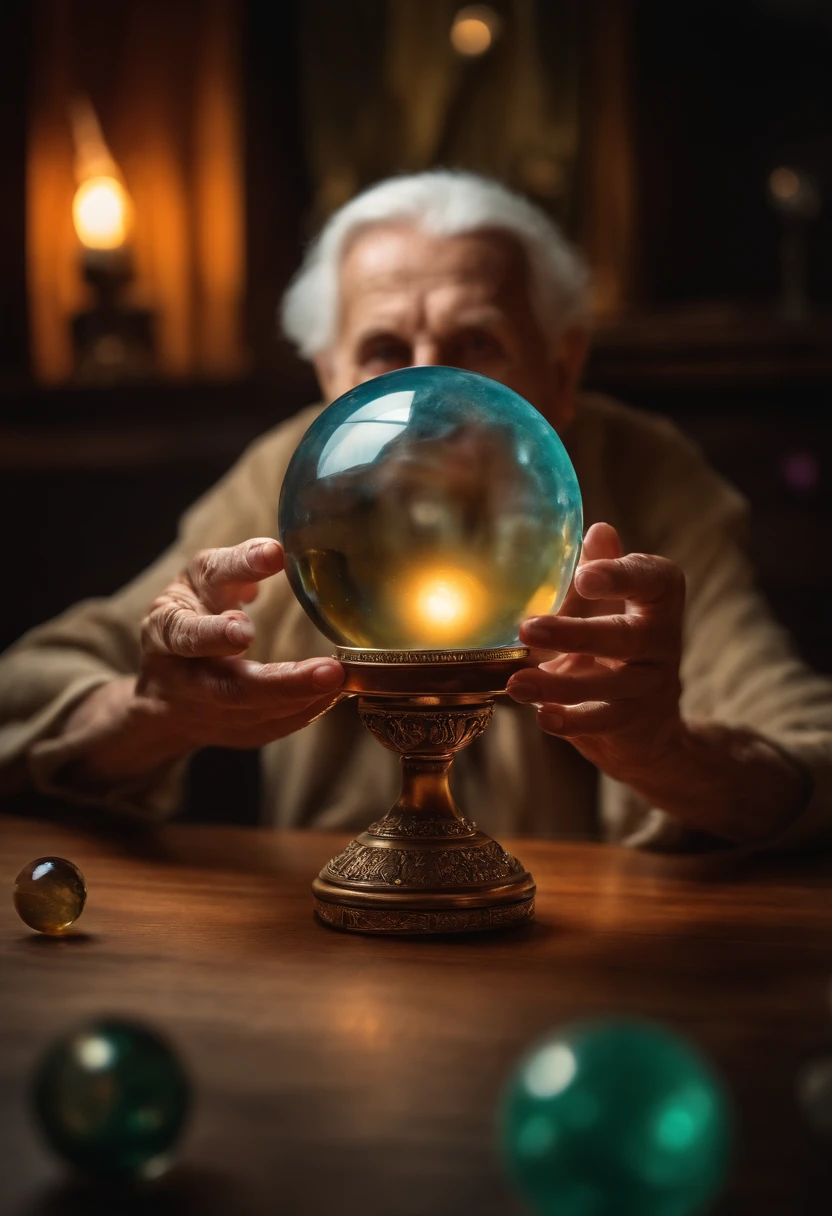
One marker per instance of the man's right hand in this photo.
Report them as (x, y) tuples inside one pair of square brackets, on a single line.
[(192, 640), (194, 689)]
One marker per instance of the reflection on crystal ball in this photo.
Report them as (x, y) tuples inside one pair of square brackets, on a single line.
[(112, 1099), (429, 508), (615, 1118)]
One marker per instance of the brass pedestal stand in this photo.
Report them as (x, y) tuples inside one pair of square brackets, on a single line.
[(424, 867)]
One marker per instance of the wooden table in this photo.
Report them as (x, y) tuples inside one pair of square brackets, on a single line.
[(359, 1075)]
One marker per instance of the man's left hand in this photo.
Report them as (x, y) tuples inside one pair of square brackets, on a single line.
[(608, 679)]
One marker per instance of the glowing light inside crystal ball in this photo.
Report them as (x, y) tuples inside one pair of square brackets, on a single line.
[(429, 507)]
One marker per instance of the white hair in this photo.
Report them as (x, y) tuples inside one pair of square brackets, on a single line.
[(443, 203)]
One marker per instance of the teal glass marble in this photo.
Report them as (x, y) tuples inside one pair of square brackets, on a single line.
[(615, 1118), (112, 1099), (429, 508)]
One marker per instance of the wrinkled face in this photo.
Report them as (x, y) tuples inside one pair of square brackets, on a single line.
[(408, 298)]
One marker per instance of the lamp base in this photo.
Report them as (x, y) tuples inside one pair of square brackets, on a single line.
[(424, 867)]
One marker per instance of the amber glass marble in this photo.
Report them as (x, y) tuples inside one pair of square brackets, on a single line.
[(430, 508), (49, 894)]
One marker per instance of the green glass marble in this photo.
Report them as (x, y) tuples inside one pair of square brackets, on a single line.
[(814, 1092), (430, 508), (49, 894), (615, 1118), (112, 1099)]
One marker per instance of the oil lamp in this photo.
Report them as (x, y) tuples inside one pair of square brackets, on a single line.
[(113, 339), (424, 515)]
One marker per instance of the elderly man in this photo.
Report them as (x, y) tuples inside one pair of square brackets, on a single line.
[(663, 673)]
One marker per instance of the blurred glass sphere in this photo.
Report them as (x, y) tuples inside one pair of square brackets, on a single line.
[(814, 1092), (429, 508), (112, 1099), (615, 1118)]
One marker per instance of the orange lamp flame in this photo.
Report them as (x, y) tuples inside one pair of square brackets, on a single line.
[(101, 213), (101, 209)]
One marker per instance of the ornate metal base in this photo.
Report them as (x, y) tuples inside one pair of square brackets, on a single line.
[(424, 868), (405, 923)]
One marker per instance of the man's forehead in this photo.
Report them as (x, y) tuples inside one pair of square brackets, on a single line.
[(398, 258)]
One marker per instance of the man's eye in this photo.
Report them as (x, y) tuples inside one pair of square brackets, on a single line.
[(387, 352), (477, 343)]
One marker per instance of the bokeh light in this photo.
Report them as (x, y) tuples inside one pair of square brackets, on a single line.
[(784, 183), (474, 29), (801, 472), (794, 193)]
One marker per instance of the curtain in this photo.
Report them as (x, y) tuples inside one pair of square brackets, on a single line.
[(385, 92)]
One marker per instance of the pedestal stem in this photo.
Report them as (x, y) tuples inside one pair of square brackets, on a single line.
[(425, 791)]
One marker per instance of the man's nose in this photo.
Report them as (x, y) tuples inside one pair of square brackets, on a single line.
[(426, 353)]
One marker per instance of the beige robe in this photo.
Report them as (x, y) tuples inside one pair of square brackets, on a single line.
[(637, 472)]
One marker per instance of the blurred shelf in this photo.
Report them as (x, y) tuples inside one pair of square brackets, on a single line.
[(142, 425), (716, 345), (695, 365)]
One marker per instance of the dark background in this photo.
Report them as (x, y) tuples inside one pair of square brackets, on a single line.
[(678, 113)]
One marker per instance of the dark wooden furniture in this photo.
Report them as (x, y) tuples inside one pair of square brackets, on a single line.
[(359, 1075)]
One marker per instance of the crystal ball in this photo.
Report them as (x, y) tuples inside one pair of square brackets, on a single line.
[(112, 1099), (49, 894), (429, 508), (615, 1118)]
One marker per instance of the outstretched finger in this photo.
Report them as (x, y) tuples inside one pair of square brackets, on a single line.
[(265, 690), (284, 685), (591, 718), (177, 630), (639, 578), (599, 684), (622, 637), (221, 576), (277, 688)]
